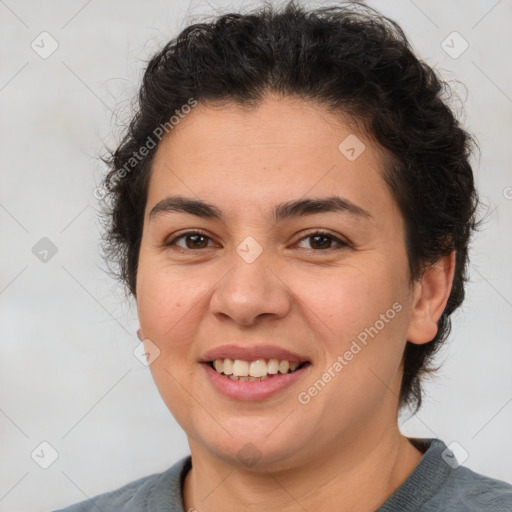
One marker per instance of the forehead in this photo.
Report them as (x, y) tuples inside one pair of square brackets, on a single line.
[(283, 149), (274, 123)]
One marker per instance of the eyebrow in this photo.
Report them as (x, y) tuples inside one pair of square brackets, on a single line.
[(281, 212)]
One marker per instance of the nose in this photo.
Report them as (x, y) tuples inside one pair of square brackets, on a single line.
[(250, 292)]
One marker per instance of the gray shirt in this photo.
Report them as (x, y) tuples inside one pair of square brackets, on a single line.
[(437, 484)]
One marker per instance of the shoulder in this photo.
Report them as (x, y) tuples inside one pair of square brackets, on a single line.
[(150, 493), (118, 499), (459, 489), (440, 483), (465, 489)]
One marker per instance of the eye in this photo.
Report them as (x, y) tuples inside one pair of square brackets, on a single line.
[(192, 240), (322, 241)]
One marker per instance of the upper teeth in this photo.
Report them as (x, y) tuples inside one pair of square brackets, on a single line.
[(258, 368)]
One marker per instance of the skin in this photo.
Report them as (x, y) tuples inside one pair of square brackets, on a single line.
[(344, 447)]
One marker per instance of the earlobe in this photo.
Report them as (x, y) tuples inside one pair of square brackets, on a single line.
[(431, 294)]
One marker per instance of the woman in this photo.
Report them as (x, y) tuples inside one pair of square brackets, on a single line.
[(291, 208)]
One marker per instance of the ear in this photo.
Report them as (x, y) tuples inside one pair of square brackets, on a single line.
[(431, 294)]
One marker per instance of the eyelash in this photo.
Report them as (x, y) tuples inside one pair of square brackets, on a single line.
[(341, 244)]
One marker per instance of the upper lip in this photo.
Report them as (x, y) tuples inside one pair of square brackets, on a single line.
[(245, 353)]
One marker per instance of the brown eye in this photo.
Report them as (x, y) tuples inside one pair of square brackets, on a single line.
[(319, 241), (192, 240)]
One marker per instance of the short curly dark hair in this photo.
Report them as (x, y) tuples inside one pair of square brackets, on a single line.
[(349, 58)]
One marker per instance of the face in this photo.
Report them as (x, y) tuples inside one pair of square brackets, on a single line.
[(329, 284)]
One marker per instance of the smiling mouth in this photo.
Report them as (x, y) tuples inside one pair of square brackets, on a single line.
[(255, 371)]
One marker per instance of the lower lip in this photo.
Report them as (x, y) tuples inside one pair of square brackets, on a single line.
[(255, 390)]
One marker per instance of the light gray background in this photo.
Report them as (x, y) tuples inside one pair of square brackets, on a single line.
[(67, 374)]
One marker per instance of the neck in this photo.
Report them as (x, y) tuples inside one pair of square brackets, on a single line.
[(358, 477)]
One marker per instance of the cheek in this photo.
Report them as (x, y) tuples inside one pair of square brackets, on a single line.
[(173, 309), (165, 303), (362, 319), (347, 301), (168, 307), (160, 288)]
